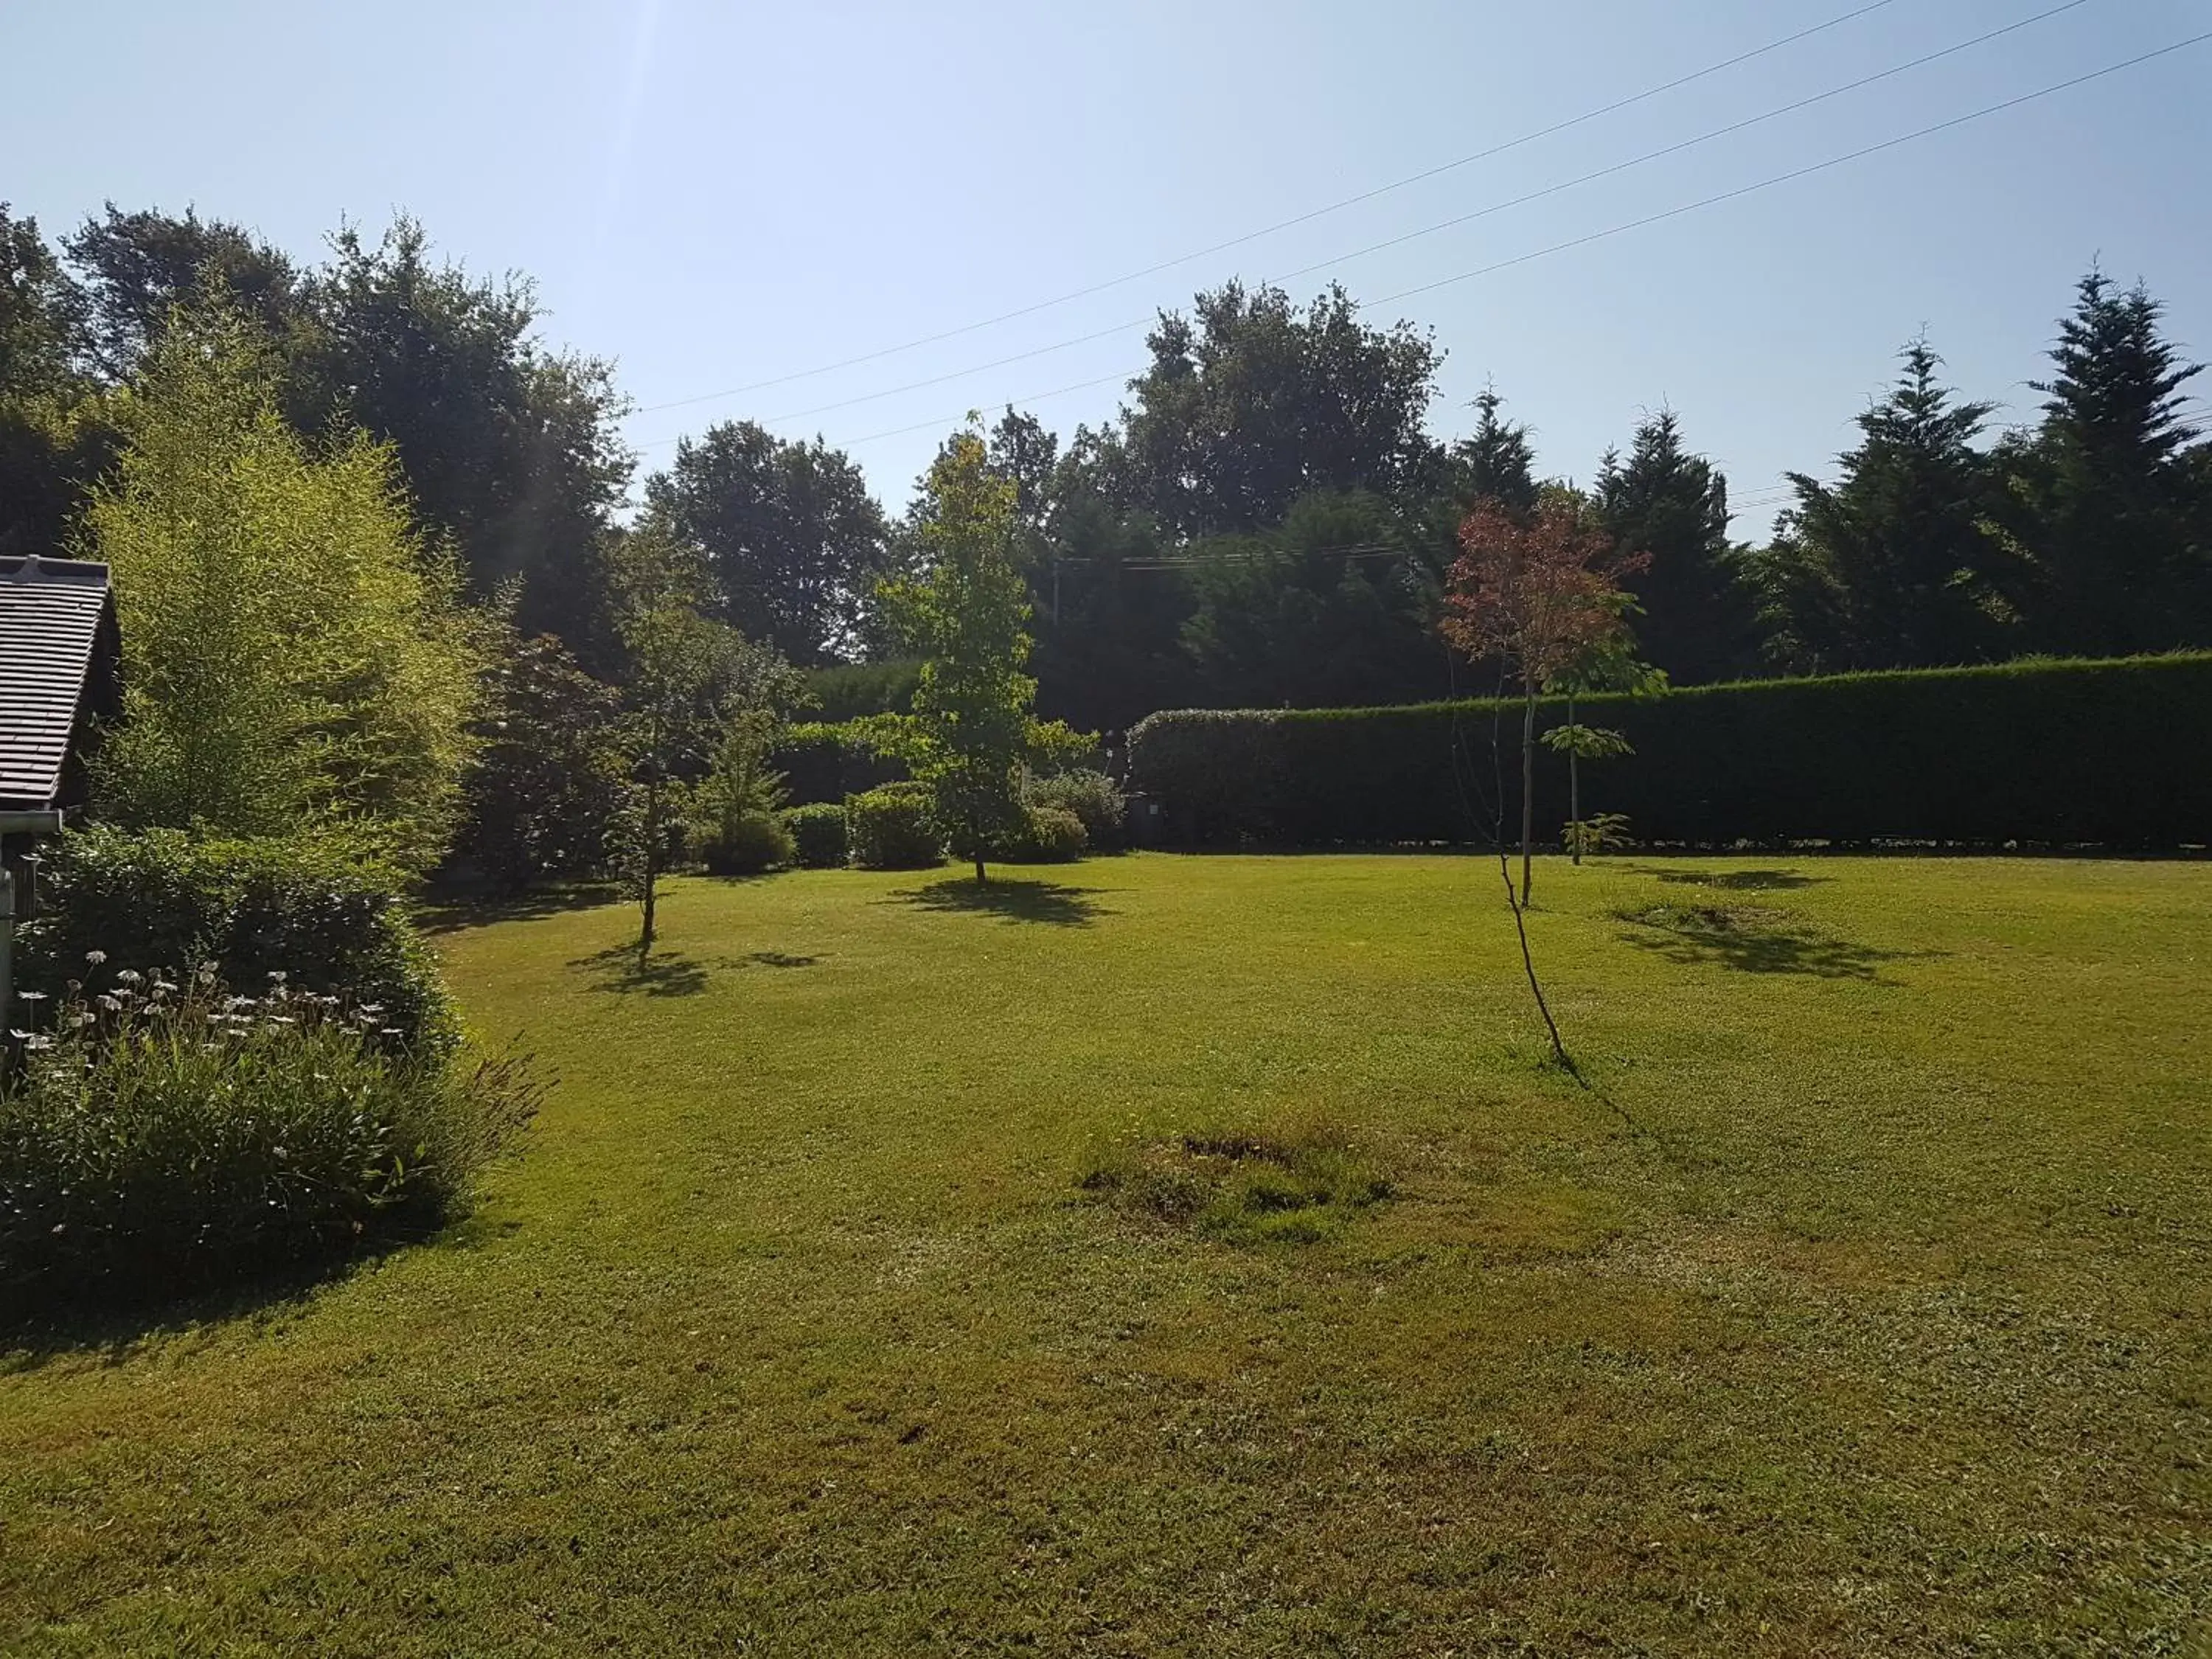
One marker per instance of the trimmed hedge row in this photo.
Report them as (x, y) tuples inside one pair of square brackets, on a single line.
[(824, 762), (2110, 753), (161, 901)]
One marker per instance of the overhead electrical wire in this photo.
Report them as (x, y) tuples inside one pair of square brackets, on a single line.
[(1306, 217), (1132, 324), (1791, 176)]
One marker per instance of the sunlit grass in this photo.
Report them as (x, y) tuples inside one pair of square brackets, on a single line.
[(1194, 1255)]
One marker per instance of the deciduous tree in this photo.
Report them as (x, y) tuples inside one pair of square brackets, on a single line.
[(1537, 594), (967, 615), (296, 658), (793, 538)]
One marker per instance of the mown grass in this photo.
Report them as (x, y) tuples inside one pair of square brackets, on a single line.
[(1863, 1309)]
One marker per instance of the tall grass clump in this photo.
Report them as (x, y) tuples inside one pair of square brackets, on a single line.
[(165, 1134)]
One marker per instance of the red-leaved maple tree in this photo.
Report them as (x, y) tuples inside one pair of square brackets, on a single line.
[(1539, 592)]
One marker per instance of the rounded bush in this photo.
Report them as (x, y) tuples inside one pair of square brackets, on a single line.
[(305, 908), (1049, 834), (1094, 797), (890, 828), (748, 845), (817, 835), (167, 1135)]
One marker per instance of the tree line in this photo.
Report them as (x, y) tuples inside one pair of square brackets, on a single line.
[(1267, 521)]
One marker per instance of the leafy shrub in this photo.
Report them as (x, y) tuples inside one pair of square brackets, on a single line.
[(173, 1135), (818, 835), (549, 777), (826, 764), (247, 909), (746, 845), (848, 689), (1295, 1188), (1046, 835), (891, 828), (1601, 832), (2052, 752), (1095, 798)]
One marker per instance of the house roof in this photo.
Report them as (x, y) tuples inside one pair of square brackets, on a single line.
[(51, 616)]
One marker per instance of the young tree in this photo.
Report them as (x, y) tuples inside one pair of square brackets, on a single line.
[(967, 617), (1610, 666), (296, 657), (1538, 595), (675, 654)]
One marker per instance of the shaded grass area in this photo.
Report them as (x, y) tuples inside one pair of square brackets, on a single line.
[(952, 1294)]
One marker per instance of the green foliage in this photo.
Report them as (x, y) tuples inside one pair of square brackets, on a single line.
[(973, 722), (794, 539), (824, 762), (1586, 742), (510, 447), (249, 909), (669, 720), (1694, 611), (168, 1135), (818, 835), (845, 690), (1095, 799), (1046, 835), (1601, 832), (746, 845), (733, 824), (2038, 751), (2102, 507), (1334, 605), (893, 827), (1256, 402), (548, 779), (294, 657), (1895, 564)]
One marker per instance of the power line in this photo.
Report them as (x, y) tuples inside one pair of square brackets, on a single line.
[(1307, 217), (1788, 177), (1796, 173), (1522, 200)]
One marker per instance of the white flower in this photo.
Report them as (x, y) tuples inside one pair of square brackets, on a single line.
[(95, 957)]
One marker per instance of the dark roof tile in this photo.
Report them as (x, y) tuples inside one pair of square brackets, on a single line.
[(49, 618)]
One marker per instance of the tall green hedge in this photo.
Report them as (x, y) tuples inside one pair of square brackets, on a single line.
[(826, 763), (2111, 753)]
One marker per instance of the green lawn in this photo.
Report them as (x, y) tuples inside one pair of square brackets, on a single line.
[(1864, 1311)]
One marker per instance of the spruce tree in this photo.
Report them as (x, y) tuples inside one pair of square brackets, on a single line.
[(1495, 462), (2104, 493), (1891, 566), (1671, 503)]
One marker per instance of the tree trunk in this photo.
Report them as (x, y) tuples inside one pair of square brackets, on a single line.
[(976, 840), (1528, 790), (1575, 788), (652, 869)]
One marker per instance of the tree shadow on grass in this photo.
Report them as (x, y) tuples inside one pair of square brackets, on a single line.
[(1730, 881), (451, 913), (672, 973), (1009, 900), (1752, 941), (111, 1323)]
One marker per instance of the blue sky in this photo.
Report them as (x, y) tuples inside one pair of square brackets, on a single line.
[(717, 195)]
